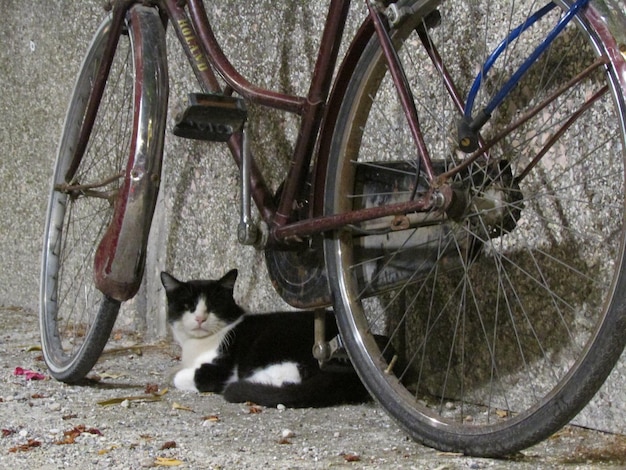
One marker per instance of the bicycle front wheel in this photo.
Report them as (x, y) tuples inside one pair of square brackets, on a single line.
[(76, 319), (505, 315)]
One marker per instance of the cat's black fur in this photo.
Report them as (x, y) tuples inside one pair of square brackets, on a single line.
[(266, 359)]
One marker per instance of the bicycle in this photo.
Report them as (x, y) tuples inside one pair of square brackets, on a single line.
[(486, 246)]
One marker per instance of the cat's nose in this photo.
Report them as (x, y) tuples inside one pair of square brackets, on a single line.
[(200, 320)]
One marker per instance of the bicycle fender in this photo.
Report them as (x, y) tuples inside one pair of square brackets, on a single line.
[(120, 257)]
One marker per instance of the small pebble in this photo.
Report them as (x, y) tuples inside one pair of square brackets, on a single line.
[(147, 463), (287, 433), (281, 407), (54, 406)]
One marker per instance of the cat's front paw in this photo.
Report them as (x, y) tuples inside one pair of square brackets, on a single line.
[(184, 380)]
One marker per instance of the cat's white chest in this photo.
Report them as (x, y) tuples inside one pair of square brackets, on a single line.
[(199, 351), (195, 352)]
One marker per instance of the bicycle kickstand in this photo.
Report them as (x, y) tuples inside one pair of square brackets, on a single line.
[(332, 354)]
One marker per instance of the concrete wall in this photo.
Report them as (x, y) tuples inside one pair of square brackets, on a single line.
[(42, 44), (42, 49)]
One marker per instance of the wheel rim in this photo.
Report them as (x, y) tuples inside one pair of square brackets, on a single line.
[(493, 322), (80, 210)]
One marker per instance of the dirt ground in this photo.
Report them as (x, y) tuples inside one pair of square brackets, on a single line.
[(129, 417)]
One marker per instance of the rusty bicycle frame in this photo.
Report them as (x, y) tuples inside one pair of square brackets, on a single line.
[(318, 113), (119, 260)]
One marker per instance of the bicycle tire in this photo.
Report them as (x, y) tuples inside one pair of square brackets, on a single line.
[(76, 319), (504, 317)]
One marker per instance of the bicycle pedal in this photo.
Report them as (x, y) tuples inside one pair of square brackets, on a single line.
[(211, 117)]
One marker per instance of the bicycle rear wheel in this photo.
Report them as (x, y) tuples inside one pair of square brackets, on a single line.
[(76, 319), (505, 316)]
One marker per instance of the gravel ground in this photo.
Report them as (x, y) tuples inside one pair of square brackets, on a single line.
[(128, 417)]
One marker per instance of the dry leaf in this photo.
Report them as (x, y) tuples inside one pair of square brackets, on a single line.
[(69, 437), (254, 409), (178, 406), (352, 458), (168, 445), (32, 443), (167, 462), (29, 374), (134, 349), (107, 450), (109, 375), (212, 418), (120, 400)]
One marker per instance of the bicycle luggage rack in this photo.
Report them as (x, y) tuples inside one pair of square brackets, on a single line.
[(211, 117)]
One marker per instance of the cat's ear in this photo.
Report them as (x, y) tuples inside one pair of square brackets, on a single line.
[(228, 281), (170, 282)]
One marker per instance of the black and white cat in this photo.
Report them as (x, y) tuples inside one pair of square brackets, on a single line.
[(265, 359)]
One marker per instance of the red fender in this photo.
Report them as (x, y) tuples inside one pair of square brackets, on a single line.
[(120, 257)]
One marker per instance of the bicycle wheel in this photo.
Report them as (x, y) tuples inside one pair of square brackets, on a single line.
[(76, 319), (505, 315)]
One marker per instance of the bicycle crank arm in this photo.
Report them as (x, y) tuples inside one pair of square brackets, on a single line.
[(120, 256)]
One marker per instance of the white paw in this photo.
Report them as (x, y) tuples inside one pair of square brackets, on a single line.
[(183, 380)]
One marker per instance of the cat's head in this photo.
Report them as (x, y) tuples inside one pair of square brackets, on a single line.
[(200, 308)]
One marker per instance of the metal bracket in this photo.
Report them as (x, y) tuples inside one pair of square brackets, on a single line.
[(330, 354), (396, 15), (321, 349)]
